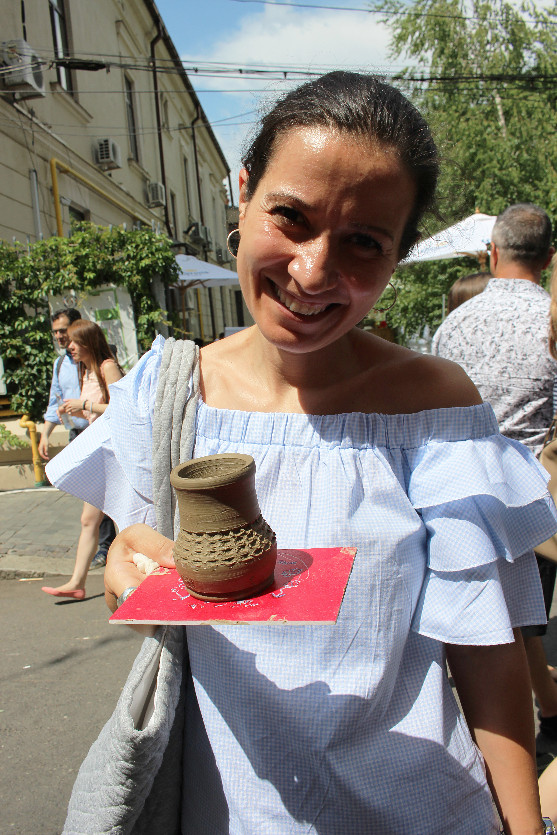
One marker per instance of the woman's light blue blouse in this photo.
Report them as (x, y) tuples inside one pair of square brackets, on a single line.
[(365, 733)]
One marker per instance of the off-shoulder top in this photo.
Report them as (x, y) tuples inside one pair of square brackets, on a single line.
[(353, 727)]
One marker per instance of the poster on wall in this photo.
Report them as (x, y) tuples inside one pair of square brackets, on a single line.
[(111, 308)]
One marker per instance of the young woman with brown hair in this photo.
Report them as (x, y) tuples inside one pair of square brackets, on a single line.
[(97, 370)]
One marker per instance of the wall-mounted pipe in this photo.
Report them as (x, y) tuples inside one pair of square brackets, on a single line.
[(38, 469), (154, 42), (57, 165), (34, 181), (196, 158)]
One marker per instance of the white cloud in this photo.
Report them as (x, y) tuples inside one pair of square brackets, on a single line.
[(280, 36), (307, 38)]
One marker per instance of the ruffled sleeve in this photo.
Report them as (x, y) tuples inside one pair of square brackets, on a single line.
[(485, 505), (109, 465)]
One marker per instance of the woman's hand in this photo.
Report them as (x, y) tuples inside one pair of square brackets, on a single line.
[(121, 572), (72, 406)]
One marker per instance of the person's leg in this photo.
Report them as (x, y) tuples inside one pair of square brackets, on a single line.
[(107, 533), (543, 683), (86, 549), (545, 689), (548, 791)]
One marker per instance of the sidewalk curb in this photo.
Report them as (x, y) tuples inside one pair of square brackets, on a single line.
[(15, 567)]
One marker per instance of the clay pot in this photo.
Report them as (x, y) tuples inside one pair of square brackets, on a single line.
[(225, 550)]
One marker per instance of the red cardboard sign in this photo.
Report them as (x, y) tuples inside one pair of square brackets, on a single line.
[(309, 586)]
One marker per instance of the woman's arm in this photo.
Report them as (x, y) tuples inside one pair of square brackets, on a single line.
[(73, 406), (494, 690), (76, 407)]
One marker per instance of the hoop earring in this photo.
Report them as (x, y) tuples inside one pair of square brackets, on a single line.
[(234, 254), (385, 309)]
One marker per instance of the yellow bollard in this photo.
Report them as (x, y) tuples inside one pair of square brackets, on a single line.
[(38, 465)]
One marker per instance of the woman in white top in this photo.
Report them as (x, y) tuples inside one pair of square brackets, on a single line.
[(97, 369), (350, 728)]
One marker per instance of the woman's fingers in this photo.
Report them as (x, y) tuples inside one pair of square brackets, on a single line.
[(121, 571)]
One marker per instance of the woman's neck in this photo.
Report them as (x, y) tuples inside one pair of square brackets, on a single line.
[(247, 373)]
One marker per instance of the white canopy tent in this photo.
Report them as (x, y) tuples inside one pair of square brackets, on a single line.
[(196, 273), (470, 236)]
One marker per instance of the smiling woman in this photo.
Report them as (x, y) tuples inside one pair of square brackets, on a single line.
[(358, 442), (320, 235)]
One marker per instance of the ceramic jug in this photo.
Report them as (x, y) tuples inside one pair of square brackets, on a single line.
[(225, 550)]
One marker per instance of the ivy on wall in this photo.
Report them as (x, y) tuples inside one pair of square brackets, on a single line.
[(93, 256)]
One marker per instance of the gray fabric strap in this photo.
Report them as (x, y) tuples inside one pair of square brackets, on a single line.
[(173, 425)]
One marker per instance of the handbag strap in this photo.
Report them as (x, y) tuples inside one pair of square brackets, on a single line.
[(173, 425)]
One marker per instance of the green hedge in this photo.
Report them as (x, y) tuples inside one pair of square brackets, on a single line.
[(93, 256)]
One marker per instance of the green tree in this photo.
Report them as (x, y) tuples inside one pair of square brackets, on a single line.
[(93, 256), (484, 77)]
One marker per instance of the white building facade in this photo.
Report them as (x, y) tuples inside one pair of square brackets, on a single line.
[(99, 122)]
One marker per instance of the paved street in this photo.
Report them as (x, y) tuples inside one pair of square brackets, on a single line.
[(39, 530), (64, 664)]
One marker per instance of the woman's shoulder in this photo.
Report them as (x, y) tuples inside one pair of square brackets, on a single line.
[(405, 381)]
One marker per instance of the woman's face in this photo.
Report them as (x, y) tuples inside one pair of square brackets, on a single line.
[(320, 236), (78, 352)]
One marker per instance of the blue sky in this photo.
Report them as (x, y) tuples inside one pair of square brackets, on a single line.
[(252, 34)]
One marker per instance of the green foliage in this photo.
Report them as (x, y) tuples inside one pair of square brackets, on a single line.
[(93, 256), (10, 441), (420, 294), (484, 79)]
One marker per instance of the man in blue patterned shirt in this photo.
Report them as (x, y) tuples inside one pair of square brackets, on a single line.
[(65, 380), (500, 338)]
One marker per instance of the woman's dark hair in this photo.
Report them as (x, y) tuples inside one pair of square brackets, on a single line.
[(91, 337), (364, 106), (465, 288)]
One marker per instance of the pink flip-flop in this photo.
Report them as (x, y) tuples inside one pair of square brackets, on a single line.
[(78, 594)]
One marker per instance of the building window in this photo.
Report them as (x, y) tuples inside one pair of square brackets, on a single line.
[(60, 39), (131, 118), (76, 215)]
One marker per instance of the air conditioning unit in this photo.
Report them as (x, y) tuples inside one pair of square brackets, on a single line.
[(194, 233), (156, 195), (23, 70), (107, 154)]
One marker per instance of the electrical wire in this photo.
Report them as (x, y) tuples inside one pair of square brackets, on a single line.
[(385, 13), (248, 73)]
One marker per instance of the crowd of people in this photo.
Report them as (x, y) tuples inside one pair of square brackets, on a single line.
[(426, 465)]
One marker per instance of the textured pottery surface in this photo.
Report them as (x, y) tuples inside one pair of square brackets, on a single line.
[(225, 549)]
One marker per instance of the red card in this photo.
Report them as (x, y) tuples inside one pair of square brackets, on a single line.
[(308, 587)]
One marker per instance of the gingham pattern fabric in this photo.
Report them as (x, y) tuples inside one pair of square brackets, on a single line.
[(350, 728)]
